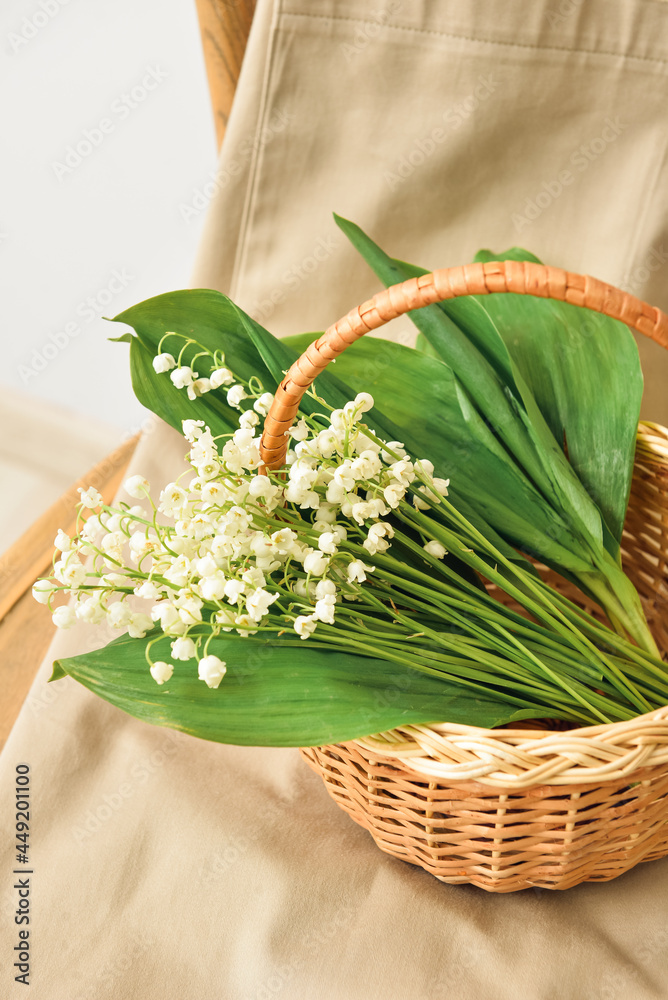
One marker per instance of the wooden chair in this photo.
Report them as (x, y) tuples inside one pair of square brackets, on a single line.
[(26, 628)]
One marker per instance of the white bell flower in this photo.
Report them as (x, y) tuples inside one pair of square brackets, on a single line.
[(140, 545), (62, 541), (214, 494), (325, 608), (244, 625), (434, 548), (137, 486), (396, 448), (183, 377), (364, 402), (198, 388), (325, 588), (163, 363), (42, 590), (402, 471), (192, 429), (147, 591), (118, 614), (90, 498), (139, 625), (93, 529), (189, 608), (249, 419), (69, 570), (233, 590), (226, 619), (366, 466), (211, 670), (91, 611), (169, 618), (235, 395), (173, 500), (212, 588), (336, 493), (253, 577), (299, 431), (263, 404), (64, 617), (206, 566), (394, 494), (357, 571), (179, 572), (221, 376), (161, 671), (326, 443), (425, 467), (344, 476), (376, 540), (338, 422), (315, 564), (305, 625), (259, 602), (183, 648), (328, 543)]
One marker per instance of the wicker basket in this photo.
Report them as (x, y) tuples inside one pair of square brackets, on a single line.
[(509, 809)]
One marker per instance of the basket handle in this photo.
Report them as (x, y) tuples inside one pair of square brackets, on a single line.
[(521, 277)]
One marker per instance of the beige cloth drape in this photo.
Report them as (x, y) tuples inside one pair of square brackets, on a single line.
[(167, 868)]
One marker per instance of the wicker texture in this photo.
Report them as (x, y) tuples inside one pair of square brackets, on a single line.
[(509, 809)]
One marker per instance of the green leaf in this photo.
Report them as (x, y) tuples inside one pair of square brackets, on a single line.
[(280, 694), (584, 372)]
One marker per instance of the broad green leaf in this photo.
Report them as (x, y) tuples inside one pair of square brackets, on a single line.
[(279, 694), (584, 371)]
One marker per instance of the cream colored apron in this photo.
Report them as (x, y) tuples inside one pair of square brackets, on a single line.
[(166, 868)]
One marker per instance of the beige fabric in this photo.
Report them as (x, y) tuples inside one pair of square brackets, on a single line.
[(172, 869), (43, 450)]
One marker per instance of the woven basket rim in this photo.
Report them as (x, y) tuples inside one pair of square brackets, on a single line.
[(518, 758)]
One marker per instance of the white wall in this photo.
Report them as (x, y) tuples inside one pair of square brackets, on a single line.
[(86, 234)]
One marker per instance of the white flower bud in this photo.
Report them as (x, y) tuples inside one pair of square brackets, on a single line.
[(364, 401), (62, 541), (137, 487), (434, 548), (42, 590), (64, 617)]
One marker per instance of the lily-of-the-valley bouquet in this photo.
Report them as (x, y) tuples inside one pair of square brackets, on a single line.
[(391, 570)]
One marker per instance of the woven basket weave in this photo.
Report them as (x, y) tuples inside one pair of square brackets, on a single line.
[(509, 809)]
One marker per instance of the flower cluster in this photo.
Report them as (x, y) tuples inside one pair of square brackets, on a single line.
[(232, 547)]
